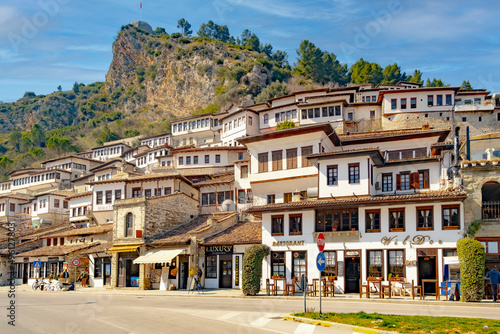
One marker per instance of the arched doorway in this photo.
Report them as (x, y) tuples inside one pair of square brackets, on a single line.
[(490, 193)]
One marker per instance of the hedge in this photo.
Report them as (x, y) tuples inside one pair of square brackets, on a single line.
[(472, 264), (252, 269)]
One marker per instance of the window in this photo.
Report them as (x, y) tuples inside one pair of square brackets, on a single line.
[(299, 264), (372, 220), (448, 99), (207, 159), (56, 203), (147, 193), (65, 204), (304, 113), (263, 162), (12, 207), (295, 224), (118, 194), (271, 199), (423, 179), (375, 263), (266, 119), (240, 155), (109, 196), (394, 104), (387, 182), (403, 103), (277, 225), (287, 197), (396, 263), (217, 158), (403, 181), (212, 199), (332, 175), (181, 161), (338, 111), (188, 160), (324, 112), (451, 216), (310, 113), (98, 199), (331, 111), (424, 218), (439, 100), (34, 206), (211, 267), (306, 150), (291, 158), (413, 102), (278, 264), (317, 113), (372, 114), (195, 160), (331, 264), (277, 160), (244, 172), (136, 192), (337, 220), (249, 120), (430, 100), (241, 196), (129, 225), (354, 173), (277, 117), (396, 220)]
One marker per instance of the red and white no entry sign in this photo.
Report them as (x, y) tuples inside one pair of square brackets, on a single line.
[(75, 262), (321, 242)]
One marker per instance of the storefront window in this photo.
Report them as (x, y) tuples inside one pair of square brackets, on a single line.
[(331, 264), (396, 263), (424, 217), (374, 263), (278, 264), (211, 271), (299, 264), (97, 268)]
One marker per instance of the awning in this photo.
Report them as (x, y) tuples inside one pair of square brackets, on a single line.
[(124, 248), (159, 255)]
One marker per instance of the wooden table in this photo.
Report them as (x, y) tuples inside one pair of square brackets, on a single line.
[(377, 282), (429, 280), (283, 284)]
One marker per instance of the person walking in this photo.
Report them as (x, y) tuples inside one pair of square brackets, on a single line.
[(494, 276)]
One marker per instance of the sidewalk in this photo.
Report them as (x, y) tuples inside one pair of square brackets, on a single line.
[(237, 293)]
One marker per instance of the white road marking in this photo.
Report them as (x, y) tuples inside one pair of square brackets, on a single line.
[(228, 315), (261, 322), (305, 329)]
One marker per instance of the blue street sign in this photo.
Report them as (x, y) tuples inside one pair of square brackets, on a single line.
[(37, 264), (321, 262)]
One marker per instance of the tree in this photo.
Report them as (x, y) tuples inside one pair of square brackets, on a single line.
[(161, 31), (185, 27), (252, 269), (286, 124), (29, 95), (106, 135), (76, 88), (471, 256), (215, 31), (59, 88), (245, 36), (365, 72), (275, 89), (60, 145), (435, 83), (37, 136), (280, 57), (25, 143), (416, 77), (15, 140), (5, 164), (392, 75), (466, 85), (253, 43)]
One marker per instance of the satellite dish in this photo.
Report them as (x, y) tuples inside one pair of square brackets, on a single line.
[(228, 205)]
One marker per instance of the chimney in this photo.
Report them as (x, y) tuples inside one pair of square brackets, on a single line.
[(296, 196)]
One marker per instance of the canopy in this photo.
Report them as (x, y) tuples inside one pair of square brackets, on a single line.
[(124, 248), (159, 255)]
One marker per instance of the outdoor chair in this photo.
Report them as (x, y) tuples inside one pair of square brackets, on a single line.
[(270, 288)]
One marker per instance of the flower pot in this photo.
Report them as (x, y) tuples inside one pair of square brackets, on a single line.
[(494, 163), (450, 227), (397, 229), (373, 230), (465, 165), (483, 163), (425, 228)]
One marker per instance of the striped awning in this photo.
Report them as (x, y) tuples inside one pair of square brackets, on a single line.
[(159, 255)]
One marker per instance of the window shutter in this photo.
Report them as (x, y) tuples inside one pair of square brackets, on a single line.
[(414, 182), (398, 181)]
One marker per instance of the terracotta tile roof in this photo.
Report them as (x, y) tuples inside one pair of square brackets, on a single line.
[(62, 193), (71, 156), (39, 232), (182, 234), (101, 248), (422, 196), (56, 250), (82, 194), (150, 177), (241, 233), (220, 180), (21, 197), (391, 134), (83, 231), (208, 149), (156, 136), (32, 244)]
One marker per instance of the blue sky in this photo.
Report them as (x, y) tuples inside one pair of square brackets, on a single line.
[(47, 43)]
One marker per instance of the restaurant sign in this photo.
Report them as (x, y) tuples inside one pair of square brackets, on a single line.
[(218, 250), (416, 240)]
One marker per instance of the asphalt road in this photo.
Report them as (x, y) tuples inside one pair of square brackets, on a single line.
[(109, 314)]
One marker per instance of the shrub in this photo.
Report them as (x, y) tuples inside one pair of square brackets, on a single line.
[(252, 269), (472, 264), (184, 40), (286, 124), (176, 35)]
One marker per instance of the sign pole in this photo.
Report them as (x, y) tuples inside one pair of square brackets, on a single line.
[(320, 292), (320, 262)]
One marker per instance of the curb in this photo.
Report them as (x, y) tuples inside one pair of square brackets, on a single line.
[(345, 327)]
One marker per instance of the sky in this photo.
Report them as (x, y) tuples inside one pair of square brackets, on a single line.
[(47, 43)]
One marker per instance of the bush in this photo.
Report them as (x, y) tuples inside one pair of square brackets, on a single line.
[(176, 35), (472, 264), (286, 124), (252, 269)]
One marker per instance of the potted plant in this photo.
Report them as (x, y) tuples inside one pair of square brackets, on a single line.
[(483, 162), (397, 229), (465, 163), (495, 161), (474, 163), (450, 227)]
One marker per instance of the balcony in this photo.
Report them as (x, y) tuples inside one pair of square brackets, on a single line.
[(491, 211)]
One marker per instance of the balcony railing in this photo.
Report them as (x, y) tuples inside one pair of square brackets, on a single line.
[(491, 211)]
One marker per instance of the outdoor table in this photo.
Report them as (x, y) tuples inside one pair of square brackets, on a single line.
[(429, 280), (283, 284)]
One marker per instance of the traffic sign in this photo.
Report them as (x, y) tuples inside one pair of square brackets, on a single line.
[(321, 242), (321, 261), (37, 264), (75, 262)]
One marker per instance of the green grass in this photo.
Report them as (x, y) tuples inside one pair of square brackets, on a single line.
[(409, 324)]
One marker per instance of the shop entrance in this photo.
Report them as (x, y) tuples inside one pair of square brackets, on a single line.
[(427, 270), (225, 271), (128, 271), (25, 273), (352, 273), (184, 273), (107, 273)]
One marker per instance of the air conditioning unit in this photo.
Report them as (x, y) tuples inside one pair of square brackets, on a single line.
[(377, 185)]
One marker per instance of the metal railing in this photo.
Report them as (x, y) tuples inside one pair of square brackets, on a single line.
[(491, 211)]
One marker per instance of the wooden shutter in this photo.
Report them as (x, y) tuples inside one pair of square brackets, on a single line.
[(398, 181), (414, 183)]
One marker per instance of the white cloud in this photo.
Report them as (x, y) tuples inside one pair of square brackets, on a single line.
[(91, 48)]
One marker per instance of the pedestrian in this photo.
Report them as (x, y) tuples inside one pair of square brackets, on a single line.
[(65, 275), (494, 276)]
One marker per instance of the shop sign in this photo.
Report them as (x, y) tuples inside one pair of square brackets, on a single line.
[(416, 240), (289, 243), (54, 259), (351, 253), (237, 271), (218, 250), (26, 259)]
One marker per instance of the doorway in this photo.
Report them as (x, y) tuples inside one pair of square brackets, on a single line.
[(107, 273), (127, 270), (225, 272), (25, 273), (352, 274), (184, 273), (427, 270)]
